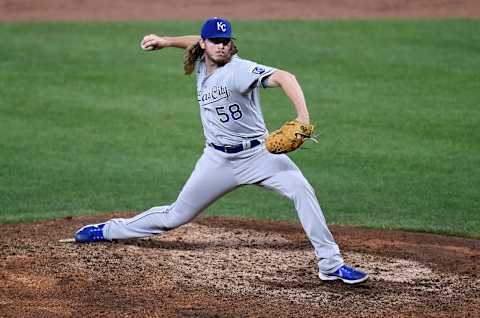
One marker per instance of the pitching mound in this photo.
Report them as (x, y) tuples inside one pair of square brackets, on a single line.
[(219, 267)]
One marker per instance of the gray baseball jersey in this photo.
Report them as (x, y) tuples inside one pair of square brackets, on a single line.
[(229, 101)]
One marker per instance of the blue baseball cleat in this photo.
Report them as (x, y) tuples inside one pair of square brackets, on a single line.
[(346, 274), (90, 233)]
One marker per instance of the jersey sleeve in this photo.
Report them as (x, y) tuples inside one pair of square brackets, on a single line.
[(250, 75)]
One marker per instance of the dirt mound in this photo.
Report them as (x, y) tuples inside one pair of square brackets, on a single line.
[(218, 267), (13, 10)]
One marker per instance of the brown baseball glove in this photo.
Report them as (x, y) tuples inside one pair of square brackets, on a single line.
[(289, 137)]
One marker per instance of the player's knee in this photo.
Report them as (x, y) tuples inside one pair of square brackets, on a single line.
[(172, 225), (175, 220), (299, 186), (179, 216)]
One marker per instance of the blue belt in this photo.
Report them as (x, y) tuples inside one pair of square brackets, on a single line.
[(236, 148)]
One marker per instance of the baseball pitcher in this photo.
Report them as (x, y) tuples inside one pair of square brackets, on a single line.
[(238, 148)]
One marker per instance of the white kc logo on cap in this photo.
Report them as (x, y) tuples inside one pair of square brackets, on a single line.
[(221, 26)]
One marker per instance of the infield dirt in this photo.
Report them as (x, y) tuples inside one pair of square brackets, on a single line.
[(14, 10), (229, 267)]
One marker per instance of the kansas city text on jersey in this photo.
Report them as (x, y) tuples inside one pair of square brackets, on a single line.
[(216, 93)]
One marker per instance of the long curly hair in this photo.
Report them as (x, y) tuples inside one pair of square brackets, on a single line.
[(195, 52)]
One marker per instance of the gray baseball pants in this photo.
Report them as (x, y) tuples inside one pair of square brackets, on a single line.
[(217, 173)]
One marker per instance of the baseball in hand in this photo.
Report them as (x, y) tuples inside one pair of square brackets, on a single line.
[(153, 42), (147, 45)]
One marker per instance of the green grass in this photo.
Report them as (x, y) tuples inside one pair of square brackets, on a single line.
[(90, 123)]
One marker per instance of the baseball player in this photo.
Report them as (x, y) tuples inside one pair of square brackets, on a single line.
[(236, 152)]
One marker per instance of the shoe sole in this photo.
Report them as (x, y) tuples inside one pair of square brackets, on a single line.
[(325, 277), (79, 239)]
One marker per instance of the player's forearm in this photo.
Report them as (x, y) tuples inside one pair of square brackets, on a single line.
[(182, 42), (294, 92), (154, 42)]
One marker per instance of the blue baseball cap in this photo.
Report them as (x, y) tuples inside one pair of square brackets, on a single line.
[(216, 28)]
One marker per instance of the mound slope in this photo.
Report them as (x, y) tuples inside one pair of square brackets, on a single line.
[(228, 267)]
